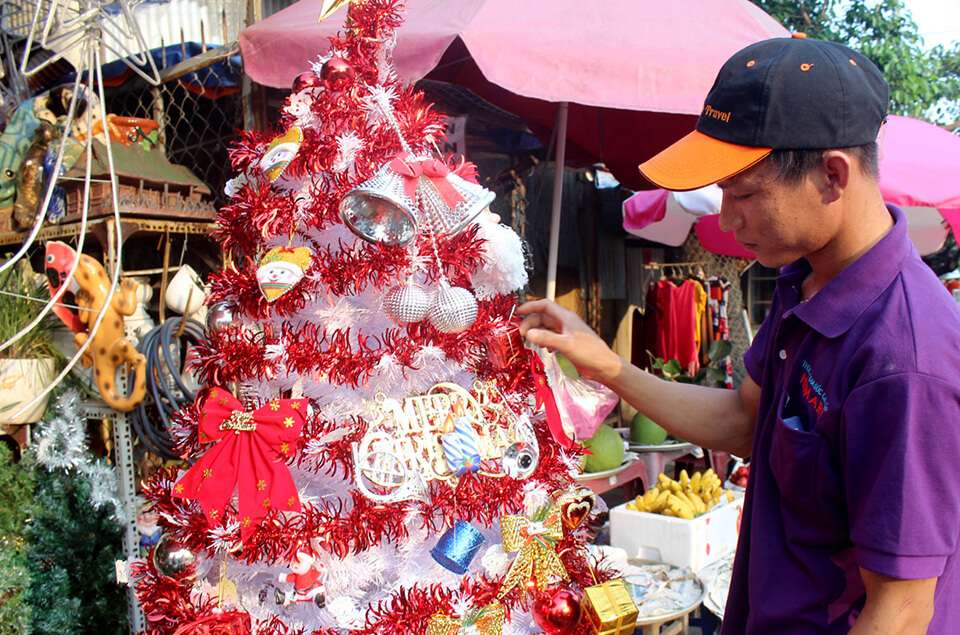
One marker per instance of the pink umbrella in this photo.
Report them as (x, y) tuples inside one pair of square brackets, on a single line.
[(628, 76), (659, 57), (919, 168)]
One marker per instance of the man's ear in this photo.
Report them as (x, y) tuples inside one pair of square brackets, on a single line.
[(837, 166)]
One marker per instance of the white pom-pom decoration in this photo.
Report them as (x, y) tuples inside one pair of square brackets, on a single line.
[(495, 562), (345, 611), (232, 186), (503, 269)]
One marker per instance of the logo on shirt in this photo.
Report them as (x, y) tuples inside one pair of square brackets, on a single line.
[(812, 390)]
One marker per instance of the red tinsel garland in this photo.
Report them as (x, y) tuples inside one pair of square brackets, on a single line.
[(255, 214), (348, 271), (231, 354), (346, 358), (357, 525), (245, 153), (165, 602), (342, 271), (406, 611)]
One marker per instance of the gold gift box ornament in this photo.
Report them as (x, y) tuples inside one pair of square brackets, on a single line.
[(610, 609)]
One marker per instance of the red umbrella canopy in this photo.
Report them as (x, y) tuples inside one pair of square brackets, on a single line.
[(635, 73)]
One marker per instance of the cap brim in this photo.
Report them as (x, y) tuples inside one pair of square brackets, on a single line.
[(698, 160)]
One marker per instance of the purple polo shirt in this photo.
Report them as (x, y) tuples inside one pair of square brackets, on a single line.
[(856, 448)]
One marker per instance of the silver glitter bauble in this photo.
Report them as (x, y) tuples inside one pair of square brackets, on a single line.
[(454, 309), (219, 315), (172, 558), (520, 460), (408, 303)]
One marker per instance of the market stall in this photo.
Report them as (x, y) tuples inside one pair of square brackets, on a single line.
[(342, 430), (95, 197)]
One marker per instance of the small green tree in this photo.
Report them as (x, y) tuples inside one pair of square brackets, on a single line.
[(72, 549), (16, 501)]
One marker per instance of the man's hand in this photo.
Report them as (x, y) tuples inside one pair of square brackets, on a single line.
[(549, 325), (895, 607), (710, 417)]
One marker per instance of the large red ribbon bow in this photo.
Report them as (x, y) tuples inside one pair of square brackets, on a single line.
[(250, 454), (411, 169), (547, 400)]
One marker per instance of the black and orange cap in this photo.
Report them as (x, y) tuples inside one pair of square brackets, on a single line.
[(780, 94)]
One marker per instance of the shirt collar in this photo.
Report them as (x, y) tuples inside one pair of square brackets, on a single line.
[(834, 309)]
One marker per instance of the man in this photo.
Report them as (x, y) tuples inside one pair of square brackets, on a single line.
[(851, 411)]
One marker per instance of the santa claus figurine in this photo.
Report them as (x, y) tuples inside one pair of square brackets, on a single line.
[(305, 575)]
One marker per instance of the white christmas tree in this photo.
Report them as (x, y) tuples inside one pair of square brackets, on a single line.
[(366, 456)]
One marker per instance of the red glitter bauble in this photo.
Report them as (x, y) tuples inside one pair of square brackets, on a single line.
[(557, 611)]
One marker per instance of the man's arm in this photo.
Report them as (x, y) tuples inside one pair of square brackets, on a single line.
[(714, 418), (710, 417), (895, 607)]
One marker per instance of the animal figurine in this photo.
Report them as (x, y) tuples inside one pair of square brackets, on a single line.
[(58, 262), (124, 130), (109, 350), (16, 139), (30, 180)]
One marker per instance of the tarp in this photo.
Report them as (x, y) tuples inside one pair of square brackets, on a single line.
[(214, 81)]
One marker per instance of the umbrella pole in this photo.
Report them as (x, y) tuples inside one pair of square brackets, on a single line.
[(559, 159)]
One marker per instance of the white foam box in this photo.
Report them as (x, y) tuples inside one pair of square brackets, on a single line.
[(683, 543)]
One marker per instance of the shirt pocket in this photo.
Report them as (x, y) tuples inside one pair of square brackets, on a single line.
[(811, 490)]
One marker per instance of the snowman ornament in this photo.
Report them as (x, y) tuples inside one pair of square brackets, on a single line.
[(281, 269)]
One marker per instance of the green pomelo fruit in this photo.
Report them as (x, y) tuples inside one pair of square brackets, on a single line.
[(606, 450), (645, 432)]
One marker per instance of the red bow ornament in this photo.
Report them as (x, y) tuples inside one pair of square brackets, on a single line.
[(250, 454), (412, 169)]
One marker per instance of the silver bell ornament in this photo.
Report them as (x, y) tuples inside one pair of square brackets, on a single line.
[(379, 210), (408, 303), (172, 558), (219, 315), (454, 309), (448, 201), (410, 193)]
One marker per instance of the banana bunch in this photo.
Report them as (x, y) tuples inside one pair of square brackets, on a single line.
[(687, 498)]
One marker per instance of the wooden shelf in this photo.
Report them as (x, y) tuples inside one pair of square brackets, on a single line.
[(100, 227)]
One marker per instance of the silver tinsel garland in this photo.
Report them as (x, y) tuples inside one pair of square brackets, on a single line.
[(61, 444)]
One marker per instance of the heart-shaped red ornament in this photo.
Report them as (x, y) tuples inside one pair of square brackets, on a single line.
[(575, 506), (575, 513)]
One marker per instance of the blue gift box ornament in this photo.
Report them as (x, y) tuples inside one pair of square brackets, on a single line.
[(457, 547)]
